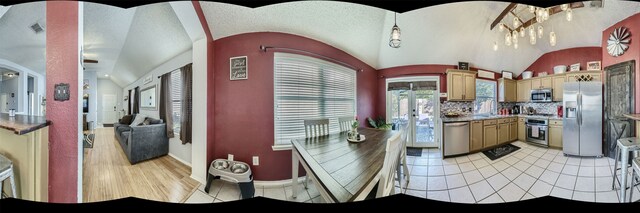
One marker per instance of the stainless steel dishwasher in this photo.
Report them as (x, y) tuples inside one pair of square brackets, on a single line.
[(456, 138)]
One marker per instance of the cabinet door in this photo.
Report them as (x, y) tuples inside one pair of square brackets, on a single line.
[(469, 86), (490, 136), (510, 91), (558, 87), (519, 88), (502, 96), (597, 77), (455, 86), (513, 131), (476, 135), (503, 133), (536, 83), (555, 136), (546, 82), (526, 91), (522, 135), (571, 78)]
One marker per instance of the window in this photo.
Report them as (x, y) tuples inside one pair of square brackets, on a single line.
[(176, 99), (485, 97), (310, 88)]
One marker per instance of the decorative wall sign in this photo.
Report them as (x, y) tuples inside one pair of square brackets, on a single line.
[(148, 98), (61, 92), (574, 67), (238, 68), (593, 65), (618, 41), (507, 74), (463, 65), (147, 79)]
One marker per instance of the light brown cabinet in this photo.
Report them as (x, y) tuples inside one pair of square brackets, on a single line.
[(555, 133), (513, 131), (536, 83), (507, 90), (558, 87), (503, 133), (524, 90), (584, 76), (522, 135), (476, 136), (490, 135), (461, 85), (541, 83)]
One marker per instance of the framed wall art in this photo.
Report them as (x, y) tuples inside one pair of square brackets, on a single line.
[(574, 67), (593, 65), (238, 68)]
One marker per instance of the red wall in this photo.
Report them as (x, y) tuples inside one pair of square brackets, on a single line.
[(567, 57), (62, 67), (244, 109), (633, 53), (413, 70)]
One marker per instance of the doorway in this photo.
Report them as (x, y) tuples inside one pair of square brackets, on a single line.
[(414, 101), (619, 96)]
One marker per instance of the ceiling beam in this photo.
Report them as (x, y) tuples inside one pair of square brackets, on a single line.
[(503, 14)]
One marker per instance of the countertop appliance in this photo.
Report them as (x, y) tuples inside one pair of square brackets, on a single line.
[(516, 109), (537, 131), (456, 138), (541, 95), (582, 119)]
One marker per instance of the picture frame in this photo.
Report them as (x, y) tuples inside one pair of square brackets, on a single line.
[(574, 67), (463, 65), (594, 65), (507, 74), (149, 98), (238, 68), (147, 80)]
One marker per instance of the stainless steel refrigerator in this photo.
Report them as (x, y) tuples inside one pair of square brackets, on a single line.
[(582, 119)]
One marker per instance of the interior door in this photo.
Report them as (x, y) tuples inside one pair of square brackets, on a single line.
[(419, 108), (619, 94), (109, 108)]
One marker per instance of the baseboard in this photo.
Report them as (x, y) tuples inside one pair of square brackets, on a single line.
[(181, 161), (277, 183)]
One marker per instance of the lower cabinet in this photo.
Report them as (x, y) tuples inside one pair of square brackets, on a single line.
[(476, 136), (522, 134), (555, 134), (490, 135), (503, 133), (513, 131)]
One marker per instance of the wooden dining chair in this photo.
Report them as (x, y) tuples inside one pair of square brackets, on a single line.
[(316, 127), (387, 174), (403, 157), (345, 123)]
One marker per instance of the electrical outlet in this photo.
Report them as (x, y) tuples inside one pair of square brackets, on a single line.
[(230, 157), (256, 161)]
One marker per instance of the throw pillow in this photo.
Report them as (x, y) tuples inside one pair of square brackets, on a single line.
[(138, 120), (147, 121), (126, 119)]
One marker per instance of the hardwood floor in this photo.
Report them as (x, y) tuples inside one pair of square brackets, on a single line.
[(108, 175)]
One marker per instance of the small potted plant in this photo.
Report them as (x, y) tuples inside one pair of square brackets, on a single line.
[(354, 129)]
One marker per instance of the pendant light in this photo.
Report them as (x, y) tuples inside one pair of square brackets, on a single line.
[(532, 9), (532, 40), (495, 46), (516, 22), (569, 14), (507, 39), (564, 7), (394, 41), (552, 38), (522, 33), (540, 31), (501, 27)]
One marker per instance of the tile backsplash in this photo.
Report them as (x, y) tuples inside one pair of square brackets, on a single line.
[(466, 108)]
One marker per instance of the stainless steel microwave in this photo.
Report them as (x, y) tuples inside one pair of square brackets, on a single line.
[(541, 95)]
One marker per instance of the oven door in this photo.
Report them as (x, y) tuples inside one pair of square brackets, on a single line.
[(540, 137)]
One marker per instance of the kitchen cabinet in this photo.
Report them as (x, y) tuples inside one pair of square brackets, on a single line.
[(584, 76), (522, 135), (541, 83), (507, 91), (490, 135), (536, 83), (513, 131), (503, 133), (555, 133), (558, 87), (461, 85), (476, 136), (524, 90)]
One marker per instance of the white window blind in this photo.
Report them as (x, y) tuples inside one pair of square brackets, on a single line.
[(176, 99), (310, 88)]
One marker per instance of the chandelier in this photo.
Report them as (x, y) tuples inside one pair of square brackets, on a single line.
[(394, 41), (521, 20)]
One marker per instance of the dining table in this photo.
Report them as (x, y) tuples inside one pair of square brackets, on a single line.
[(343, 171)]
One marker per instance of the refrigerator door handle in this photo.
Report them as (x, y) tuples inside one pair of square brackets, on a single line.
[(579, 109)]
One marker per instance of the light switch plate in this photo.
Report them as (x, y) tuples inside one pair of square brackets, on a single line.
[(256, 161), (61, 92), (230, 157)]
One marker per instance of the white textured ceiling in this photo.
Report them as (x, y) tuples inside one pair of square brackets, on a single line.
[(441, 34), (130, 43), (18, 43), (353, 28)]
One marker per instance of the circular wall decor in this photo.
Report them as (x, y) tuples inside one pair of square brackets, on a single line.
[(618, 41)]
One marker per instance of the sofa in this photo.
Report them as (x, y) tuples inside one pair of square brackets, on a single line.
[(142, 141)]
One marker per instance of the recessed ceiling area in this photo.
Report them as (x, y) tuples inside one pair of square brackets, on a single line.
[(19, 43)]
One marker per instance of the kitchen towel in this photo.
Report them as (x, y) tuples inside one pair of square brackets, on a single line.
[(534, 131)]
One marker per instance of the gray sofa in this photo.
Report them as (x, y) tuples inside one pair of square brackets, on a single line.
[(142, 142)]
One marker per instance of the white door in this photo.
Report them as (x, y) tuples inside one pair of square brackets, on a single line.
[(417, 107), (109, 109), (3, 102)]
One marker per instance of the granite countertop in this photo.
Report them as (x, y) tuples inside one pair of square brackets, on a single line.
[(487, 117), (23, 124)]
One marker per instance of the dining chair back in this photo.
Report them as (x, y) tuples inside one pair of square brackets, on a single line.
[(345, 123), (393, 149), (316, 127)]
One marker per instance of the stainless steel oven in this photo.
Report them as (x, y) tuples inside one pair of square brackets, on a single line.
[(541, 95), (537, 131)]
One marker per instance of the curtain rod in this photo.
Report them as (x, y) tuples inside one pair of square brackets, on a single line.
[(160, 76), (264, 49)]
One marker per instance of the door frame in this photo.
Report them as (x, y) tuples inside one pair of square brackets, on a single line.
[(436, 129)]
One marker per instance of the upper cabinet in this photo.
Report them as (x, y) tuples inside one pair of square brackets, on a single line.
[(524, 90), (584, 76), (461, 85), (507, 91), (558, 86), (541, 83)]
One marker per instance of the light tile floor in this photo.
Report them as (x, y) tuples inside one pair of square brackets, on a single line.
[(524, 174)]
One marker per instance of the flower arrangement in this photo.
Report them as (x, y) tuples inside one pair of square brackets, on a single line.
[(355, 124)]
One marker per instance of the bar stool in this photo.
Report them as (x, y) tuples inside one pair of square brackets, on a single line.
[(623, 148), (635, 164), (6, 171)]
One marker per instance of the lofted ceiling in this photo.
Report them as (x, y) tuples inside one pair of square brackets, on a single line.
[(441, 34)]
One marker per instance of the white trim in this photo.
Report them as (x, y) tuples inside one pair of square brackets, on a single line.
[(178, 159), (281, 147), (277, 183)]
